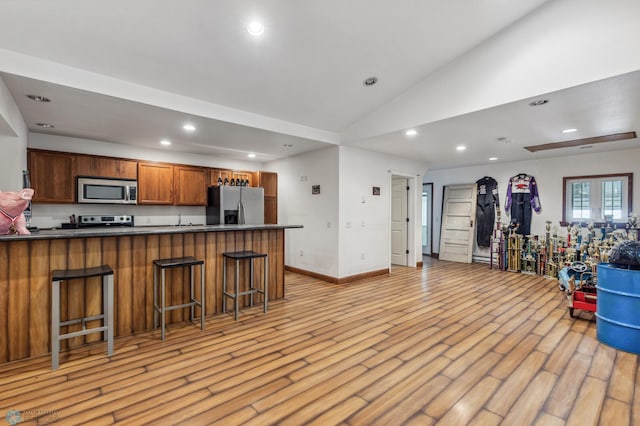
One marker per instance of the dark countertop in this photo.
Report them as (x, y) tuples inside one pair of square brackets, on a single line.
[(137, 230)]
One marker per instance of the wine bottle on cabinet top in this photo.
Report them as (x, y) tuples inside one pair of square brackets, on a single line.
[(220, 183), (226, 181), (232, 182)]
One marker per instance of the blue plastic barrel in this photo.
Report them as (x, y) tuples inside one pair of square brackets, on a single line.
[(618, 308)]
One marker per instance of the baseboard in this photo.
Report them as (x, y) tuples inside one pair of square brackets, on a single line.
[(322, 277), (336, 280), (419, 264), (435, 255)]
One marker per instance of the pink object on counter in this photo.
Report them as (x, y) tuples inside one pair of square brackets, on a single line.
[(12, 206)]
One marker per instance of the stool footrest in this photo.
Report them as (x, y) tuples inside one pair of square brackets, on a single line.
[(82, 320), (82, 333)]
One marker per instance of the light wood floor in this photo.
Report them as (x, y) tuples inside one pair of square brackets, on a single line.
[(448, 344)]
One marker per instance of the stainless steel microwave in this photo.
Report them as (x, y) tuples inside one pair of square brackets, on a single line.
[(107, 191)]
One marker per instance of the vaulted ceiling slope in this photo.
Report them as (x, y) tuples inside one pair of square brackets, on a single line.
[(301, 81)]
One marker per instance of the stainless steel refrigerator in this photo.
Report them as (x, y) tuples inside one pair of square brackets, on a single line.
[(235, 205)]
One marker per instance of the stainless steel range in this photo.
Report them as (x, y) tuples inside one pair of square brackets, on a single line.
[(105, 220)]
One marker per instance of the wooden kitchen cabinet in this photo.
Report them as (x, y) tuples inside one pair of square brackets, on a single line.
[(53, 176), (190, 185), (214, 174), (107, 167), (269, 181), (155, 183), (247, 176)]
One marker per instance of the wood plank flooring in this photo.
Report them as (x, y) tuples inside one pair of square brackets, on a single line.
[(448, 344)]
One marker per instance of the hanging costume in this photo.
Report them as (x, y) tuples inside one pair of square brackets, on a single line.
[(522, 195), (487, 202)]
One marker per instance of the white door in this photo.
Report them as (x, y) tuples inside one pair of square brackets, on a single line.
[(399, 217), (458, 223)]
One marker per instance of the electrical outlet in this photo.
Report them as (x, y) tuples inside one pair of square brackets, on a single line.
[(347, 224), (301, 253), (362, 256), (328, 224)]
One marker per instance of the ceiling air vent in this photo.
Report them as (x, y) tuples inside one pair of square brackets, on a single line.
[(580, 142)]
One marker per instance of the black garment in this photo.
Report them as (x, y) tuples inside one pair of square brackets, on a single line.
[(521, 213), (487, 202), (522, 196)]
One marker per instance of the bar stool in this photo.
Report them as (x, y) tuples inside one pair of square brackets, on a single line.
[(60, 275), (178, 262), (238, 256)]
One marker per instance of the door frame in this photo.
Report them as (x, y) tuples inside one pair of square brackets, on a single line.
[(412, 212), (429, 184)]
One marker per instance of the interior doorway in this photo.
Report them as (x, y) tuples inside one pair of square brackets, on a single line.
[(399, 220), (427, 218)]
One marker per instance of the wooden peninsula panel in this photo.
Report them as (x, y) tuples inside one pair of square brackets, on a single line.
[(25, 287)]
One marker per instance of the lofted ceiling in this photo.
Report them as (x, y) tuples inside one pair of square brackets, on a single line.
[(297, 87)]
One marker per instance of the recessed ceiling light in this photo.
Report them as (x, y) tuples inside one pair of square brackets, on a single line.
[(493, 158), (251, 155), (38, 98), (288, 145), (411, 132), (255, 28), (165, 142), (504, 140), (538, 102), (460, 148), (370, 81), (569, 130), (586, 147), (189, 127), (45, 125)]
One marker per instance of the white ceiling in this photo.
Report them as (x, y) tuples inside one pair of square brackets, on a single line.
[(307, 70)]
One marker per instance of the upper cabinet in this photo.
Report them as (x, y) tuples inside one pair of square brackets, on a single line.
[(190, 184), (107, 167), (269, 181), (223, 174), (155, 183), (243, 175), (52, 176)]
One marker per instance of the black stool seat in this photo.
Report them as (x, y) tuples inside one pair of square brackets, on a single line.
[(176, 262), (71, 274), (107, 317), (159, 306), (244, 255), (238, 256)]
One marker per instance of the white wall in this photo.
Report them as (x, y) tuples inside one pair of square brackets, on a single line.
[(562, 44), (52, 215), (365, 219), (339, 228), (13, 142), (315, 247), (548, 174)]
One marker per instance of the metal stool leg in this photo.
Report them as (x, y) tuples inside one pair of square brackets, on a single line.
[(265, 284), (55, 324), (109, 315), (224, 285), (155, 296), (251, 283), (202, 298), (192, 294), (237, 288), (162, 311)]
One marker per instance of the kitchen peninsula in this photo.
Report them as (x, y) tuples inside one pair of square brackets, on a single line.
[(27, 262)]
